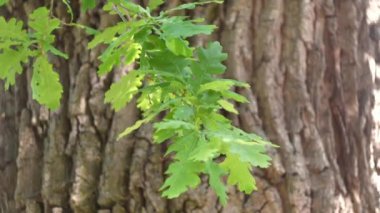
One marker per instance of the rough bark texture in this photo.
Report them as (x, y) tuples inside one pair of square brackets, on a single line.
[(312, 66)]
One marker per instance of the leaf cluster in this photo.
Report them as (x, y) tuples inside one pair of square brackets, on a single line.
[(174, 77), (17, 46)]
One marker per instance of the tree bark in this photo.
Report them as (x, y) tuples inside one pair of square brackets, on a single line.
[(312, 67)]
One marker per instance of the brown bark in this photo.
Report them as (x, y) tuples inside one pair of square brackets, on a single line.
[(309, 63)]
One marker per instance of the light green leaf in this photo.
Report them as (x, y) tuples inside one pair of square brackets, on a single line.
[(204, 151), (2, 2), (56, 52), (179, 46), (251, 152), (173, 124), (154, 4), (239, 173), (132, 53), (12, 31), (222, 85), (215, 172), (182, 176), (185, 113), (43, 25), (46, 88), (228, 106), (107, 36), (88, 4), (10, 61), (234, 96), (123, 91), (135, 126)]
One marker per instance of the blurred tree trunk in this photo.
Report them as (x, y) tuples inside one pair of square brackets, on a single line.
[(308, 62)]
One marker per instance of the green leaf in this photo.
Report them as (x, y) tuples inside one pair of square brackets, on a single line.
[(159, 61), (185, 113), (10, 61), (222, 85), (204, 151), (228, 106), (149, 97), (234, 96), (43, 25), (154, 4), (132, 53), (123, 91), (108, 35), (211, 58), (2, 2), (215, 172), (88, 4), (57, 52), (160, 136), (178, 28), (128, 7), (12, 32), (184, 145), (182, 176), (173, 124), (46, 87), (135, 126), (239, 173), (252, 153), (179, 47), (191, 6)]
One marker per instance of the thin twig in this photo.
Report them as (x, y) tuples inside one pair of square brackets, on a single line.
[(119, 13)]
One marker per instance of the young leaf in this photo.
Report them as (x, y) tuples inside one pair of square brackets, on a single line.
[(221, 85), (234, 96), (173, 124), (182, 175), (154, 4), (43, 25), (239, 173), (107, 36), (135, 126), (88, 4), (56, 52), (46, 87), (211, 58), (179, 28), (204, 151), (163, 135), (252, 153), (215, 172), (132, 53), (183, 145), (11, 33), (228, 106), (10, 61), (123, 91), (179, 47)]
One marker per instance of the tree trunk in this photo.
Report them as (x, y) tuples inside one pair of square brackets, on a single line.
[(311, 64)]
